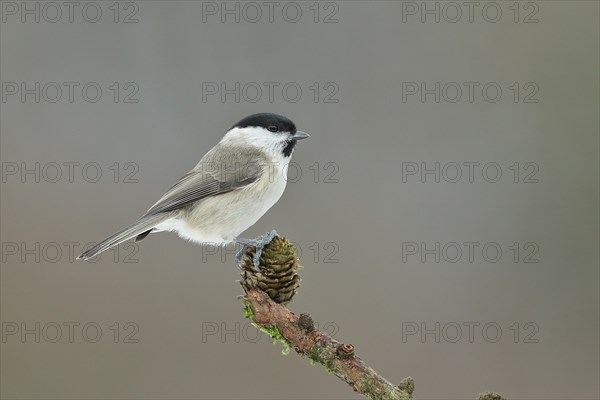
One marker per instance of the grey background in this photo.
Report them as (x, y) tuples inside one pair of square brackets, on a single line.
[(178, 290)]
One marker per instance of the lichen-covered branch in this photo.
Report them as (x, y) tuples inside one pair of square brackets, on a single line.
[(338, 358), (272, 285)]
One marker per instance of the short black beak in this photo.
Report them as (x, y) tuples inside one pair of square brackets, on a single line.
[(299, 135)]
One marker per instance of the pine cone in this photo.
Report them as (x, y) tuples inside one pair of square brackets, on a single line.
[(278, 276)]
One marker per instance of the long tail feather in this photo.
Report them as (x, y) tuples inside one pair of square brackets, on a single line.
[(141, 226)]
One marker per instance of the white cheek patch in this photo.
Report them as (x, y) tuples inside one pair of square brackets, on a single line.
[(272, 143)]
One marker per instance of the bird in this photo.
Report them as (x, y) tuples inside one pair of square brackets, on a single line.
[(234, 184)]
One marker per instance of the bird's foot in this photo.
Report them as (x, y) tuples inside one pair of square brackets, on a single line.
[(258, 243)]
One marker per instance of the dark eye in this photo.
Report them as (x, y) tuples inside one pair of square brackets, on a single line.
[(273, 128)]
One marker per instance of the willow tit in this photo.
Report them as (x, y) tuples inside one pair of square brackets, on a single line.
[(232, 186)]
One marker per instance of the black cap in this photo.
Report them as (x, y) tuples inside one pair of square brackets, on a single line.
[(272, 122)]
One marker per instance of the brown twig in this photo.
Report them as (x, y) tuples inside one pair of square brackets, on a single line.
[(272, 284), (338, 358)]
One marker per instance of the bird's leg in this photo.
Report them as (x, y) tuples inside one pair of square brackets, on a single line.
[(258, 243)]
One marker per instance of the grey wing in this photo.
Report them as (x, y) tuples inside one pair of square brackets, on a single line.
[(202, 182)]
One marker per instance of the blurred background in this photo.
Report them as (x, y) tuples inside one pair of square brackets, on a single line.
[(445, 206)]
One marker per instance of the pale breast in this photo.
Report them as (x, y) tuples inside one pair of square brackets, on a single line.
[(222, 218)]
